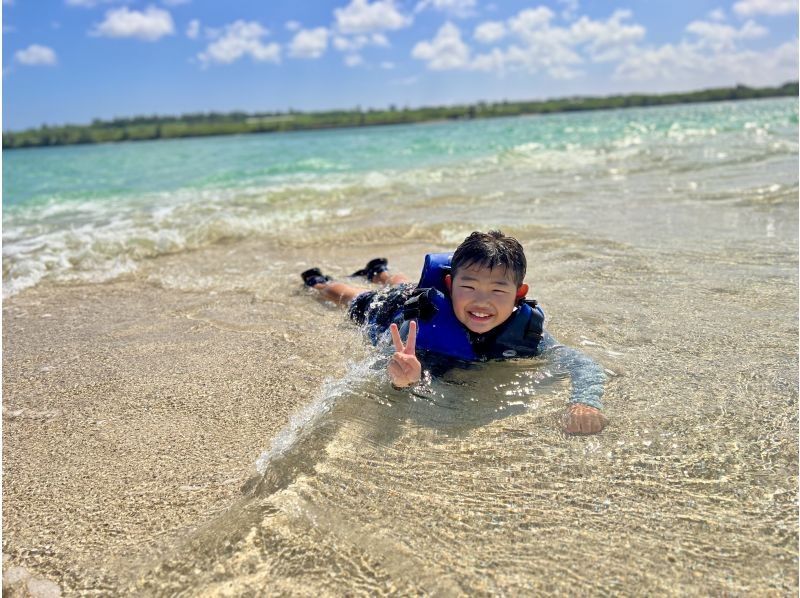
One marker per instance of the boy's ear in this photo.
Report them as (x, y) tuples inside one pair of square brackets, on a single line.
[(448, 283), (522, 291)]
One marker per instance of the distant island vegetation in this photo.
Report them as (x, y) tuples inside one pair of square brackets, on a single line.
[(213, 123)]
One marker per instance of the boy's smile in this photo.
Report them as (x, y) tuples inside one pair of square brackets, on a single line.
[(484, 298)]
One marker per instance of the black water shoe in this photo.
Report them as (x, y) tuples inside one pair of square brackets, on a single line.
[(314, 276), (373, 268)]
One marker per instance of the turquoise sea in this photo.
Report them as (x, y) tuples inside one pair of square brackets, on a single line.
[(662, 243), (93, 213)]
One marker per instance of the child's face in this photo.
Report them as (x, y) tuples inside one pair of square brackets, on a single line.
[(483, 298)]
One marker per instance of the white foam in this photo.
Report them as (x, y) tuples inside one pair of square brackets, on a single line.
[(96, 241), (302, 422)]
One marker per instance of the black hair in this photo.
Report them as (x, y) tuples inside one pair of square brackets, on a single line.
[(491, 250)]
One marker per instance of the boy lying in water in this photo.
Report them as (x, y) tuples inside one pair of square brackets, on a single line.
[(470, 307)]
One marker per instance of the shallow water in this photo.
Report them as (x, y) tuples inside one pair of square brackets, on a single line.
[(661, 242), (471, 487)]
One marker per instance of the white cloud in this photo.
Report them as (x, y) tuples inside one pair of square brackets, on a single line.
[(723, 37), (379, 39), (353, 60), (91, 3), (456, 8), (292, 26), (549, 54), (362, 17), (562, 72), (604, 40), (445, 51), (659, 62), (193, 29), (749, 8), (491, 62), (607, 40), (570, 9), (490, 32), (309, 43), (543, 47), (149, 25), (240, 39), (537, 44), (712, 53), (346, 44), (558, 51), (387, 66), (690, 65), (529, 22), (356, 42), (36, 55)]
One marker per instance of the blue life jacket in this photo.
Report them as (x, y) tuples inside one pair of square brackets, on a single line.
[(440, 332)]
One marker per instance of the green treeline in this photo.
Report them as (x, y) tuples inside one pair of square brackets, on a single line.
[(213, 123)]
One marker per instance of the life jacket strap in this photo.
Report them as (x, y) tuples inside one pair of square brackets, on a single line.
[(535, 326), (420, 305)]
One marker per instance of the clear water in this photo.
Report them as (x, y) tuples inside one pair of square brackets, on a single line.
[(95, 212), (662, 242)]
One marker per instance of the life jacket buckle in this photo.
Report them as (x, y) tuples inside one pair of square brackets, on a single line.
[(420, 306)]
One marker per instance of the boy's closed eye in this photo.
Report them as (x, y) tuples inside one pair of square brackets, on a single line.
[(499, 291)]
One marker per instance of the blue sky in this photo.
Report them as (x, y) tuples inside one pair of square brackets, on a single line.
[(69, 61)]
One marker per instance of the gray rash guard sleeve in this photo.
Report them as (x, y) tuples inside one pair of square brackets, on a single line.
[(586, 374)]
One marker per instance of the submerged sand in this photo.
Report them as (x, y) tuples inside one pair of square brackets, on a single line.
[(132, 412), (661, 243)]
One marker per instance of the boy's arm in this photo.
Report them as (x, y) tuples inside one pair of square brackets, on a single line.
[(584, 414)]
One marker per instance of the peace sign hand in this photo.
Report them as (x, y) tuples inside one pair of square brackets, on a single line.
[(404, 368)]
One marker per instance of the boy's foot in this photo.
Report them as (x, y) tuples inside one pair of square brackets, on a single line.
[(314, 276), (373, 268)]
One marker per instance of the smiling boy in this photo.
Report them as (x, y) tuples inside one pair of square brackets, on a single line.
[(475, 310)]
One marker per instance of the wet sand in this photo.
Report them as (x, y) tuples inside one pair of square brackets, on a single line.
[(661, 243), (132, 412)]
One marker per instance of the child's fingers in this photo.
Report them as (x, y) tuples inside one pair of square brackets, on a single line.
[(398, 372), (402, 363), (411, 341), (395, 371), (398, 342)]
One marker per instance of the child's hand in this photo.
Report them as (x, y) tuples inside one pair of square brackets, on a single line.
[(583, 419), (404, 367)]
